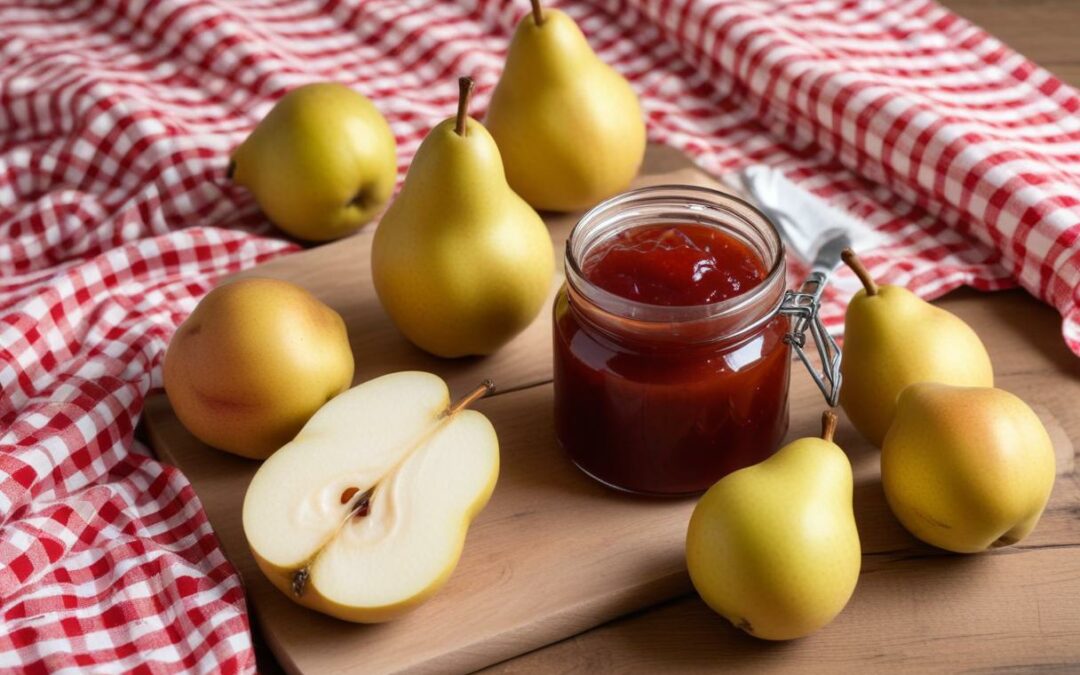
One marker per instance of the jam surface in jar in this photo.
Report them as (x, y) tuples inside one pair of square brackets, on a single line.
[(656, 414), (674, 265)]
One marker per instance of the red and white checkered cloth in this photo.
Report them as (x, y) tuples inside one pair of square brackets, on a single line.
[(116, 118)]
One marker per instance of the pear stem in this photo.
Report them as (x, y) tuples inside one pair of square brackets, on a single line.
[(483, 389), (852, 261), (465, 87), (537, 12), (828, 425)]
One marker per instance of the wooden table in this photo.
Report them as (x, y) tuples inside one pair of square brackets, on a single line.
[(1031, 360), (971, 611)]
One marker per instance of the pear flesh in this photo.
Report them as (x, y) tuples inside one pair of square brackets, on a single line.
[(569, 127), (460, 262), (966, 468), (773, 547), (321, 164), (892, 339), (363, 516)]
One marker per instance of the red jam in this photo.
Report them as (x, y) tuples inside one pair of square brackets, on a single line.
[(653, 413), (674, 265)]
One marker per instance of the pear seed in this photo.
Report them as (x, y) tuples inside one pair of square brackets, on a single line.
[(299, 581)]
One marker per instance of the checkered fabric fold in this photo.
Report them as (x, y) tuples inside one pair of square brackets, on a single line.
[(116, 118)]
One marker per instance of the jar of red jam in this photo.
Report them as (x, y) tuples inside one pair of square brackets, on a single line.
[(672, 356)]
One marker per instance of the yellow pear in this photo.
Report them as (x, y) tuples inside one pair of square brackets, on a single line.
[(363, 515), (966, 468), (569, 127), (893, 338), (773, 547), (253, 362), (321, 164), (460, 262)]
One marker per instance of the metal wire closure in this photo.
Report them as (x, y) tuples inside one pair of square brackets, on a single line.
[(802, 306)]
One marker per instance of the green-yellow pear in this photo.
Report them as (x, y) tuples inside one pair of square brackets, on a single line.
[(773, 547), (893, 338), (966, 468), (569, 127), (460, 262), (253, 362), (363, 515), (321, 164)]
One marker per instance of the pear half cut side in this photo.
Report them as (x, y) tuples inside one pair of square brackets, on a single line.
[(363, 515)]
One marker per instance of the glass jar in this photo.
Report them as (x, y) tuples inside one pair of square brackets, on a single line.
[(666, 400)]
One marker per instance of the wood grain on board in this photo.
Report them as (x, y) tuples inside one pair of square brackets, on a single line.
[(554, 554)]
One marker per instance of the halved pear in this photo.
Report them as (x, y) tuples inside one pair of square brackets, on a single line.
[(364, 514)]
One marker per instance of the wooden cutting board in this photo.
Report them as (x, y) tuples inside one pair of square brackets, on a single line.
[(554, 553)]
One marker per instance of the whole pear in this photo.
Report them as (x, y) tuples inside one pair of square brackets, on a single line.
[(321, 164), (773, 547), (966, 468), (253, 362), (460, 262), (892, 339), (569, 127)]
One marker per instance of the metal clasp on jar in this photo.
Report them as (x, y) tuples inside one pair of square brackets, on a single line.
[(802, 306)]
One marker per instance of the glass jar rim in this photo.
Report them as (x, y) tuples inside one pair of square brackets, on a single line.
[(694, 198)]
